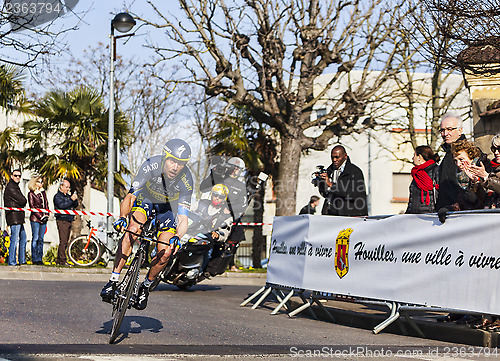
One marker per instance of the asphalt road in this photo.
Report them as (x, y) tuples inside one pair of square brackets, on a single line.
[(67, 320)]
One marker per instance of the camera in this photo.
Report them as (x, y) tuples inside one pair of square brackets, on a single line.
[(316, 176), (221, 167)]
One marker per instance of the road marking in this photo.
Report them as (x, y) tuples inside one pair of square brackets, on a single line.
[(177, 357)]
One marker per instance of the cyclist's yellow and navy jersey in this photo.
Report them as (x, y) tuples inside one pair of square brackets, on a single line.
[(152, 186)]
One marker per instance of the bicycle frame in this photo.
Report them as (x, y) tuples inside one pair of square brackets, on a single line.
[(91, 234), (128, 288)]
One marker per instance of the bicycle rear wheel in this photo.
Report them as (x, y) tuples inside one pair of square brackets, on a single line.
[(126, 289), (84, 251)]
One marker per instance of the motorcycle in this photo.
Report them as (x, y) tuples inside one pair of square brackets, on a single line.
[(201, 256), (189, 265)]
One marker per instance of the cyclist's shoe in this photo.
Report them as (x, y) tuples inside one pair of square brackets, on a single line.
[(142, 298), (108, 291)]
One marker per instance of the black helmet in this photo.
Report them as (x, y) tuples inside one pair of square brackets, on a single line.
[(177, 149)]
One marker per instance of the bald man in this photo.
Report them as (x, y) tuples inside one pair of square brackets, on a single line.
[(344, 190), (64, 200)]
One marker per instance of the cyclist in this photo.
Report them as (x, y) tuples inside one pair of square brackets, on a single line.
[(165, 184)]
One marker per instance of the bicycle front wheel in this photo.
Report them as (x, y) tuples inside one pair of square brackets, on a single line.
[(126, 289), (84, 251)]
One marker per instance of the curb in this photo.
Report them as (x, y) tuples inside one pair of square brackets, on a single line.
[(49, 273), (368, 316)]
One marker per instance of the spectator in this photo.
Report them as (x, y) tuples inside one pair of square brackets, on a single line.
[(37, 198), (13, 197), (310, 208), (63, 200), (425, 181), (451, 131), (490, 180), (471, 194), (344, 188)]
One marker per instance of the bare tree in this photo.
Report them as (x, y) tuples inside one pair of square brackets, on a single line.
[(474, 28), (30, 31), (141, 92), (427, 87), (267, 55)]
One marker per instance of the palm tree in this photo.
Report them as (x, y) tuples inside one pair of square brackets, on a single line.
[(12, 93), (68, 139), (241, 136), (9, 156), (12, 99)]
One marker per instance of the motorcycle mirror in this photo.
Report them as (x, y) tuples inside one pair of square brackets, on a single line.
[(263, 177)]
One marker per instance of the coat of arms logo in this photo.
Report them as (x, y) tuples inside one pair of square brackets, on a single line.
[(341, 252)]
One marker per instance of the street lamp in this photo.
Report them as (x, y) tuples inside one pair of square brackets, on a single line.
[(122, 22)]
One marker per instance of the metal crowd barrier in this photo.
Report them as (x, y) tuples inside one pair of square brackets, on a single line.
[(396, 309)]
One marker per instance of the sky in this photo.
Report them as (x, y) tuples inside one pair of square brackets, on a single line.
[(92, 20)]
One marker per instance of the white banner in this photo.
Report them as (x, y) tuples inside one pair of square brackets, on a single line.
[(405, 258)]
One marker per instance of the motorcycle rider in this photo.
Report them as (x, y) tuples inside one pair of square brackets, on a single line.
[(229, 173), (165, 184)]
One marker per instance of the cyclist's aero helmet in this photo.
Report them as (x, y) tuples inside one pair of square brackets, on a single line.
[(218, 195), (177, 149)]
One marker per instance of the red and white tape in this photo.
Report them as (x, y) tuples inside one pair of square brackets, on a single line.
[(255, 224), (58, 211), (84, 213)]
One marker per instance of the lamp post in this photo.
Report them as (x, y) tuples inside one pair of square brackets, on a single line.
[(122, 22)]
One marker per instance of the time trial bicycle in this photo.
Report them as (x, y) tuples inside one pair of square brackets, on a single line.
[(128, 289)]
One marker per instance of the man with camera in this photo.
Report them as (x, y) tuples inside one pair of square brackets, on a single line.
[(343, 186), (64, 200)]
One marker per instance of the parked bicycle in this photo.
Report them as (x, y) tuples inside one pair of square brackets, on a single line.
[(128, 288), (87, 249)]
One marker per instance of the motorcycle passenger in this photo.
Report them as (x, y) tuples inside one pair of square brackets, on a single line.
[(165, 184), (213, 215), (214, 218)]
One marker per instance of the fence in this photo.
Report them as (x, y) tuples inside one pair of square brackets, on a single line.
[(409, 262)]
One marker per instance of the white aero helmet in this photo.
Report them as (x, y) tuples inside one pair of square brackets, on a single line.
[(237, 162)]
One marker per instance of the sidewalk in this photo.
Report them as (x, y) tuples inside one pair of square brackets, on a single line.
[(347, 311), (99, 274)]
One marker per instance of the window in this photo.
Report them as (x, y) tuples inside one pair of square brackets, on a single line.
[(321, 113), (400, 187)]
